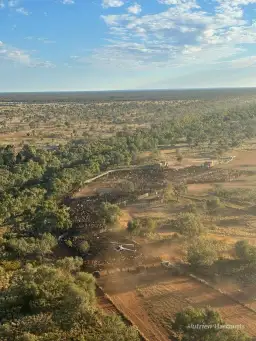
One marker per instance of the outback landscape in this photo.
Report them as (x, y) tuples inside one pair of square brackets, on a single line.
[(145, 201)]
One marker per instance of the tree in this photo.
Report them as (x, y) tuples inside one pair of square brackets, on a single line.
[(186, 319), (44, 303), (109, 213), (168, 193), (179, 189), (70, 264), (83, 247), (245, 251), (189, 224), (149, 225), (179, 156), (202, 252), (127, 186), (195, 324), (134, 227), (50, 217), (8, 155), (213, 204), (27, 246), (191, 208), (43, 289)]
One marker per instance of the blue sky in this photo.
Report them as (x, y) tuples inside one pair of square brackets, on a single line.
[(53, 45)]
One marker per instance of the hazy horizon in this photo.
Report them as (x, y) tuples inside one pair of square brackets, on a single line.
[(127, 90)]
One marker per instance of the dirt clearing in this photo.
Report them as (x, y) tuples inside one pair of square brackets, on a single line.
[(156, 296)]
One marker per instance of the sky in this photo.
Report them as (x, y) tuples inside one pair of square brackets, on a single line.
[(81, 45)]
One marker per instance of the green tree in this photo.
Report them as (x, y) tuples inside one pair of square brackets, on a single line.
[(52, 218), (48, 304), (202, 252), (134, 227), (70, 264), (168, 193), (27, 246), (42, 289), (213, 204), (83, 247), (189, 224), (245, 251), (207, 320), (109, 213), (8, 156)]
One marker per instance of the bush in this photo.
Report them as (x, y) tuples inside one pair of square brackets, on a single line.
[(70, 263), (202, 252), (189, 224), (134, 227), (69, 243), (191, 208), (196, 316), (109, 213), (245, 251), (213, 204), (11, 265), (83, 247)]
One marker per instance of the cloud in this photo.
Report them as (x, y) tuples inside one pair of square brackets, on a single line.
[(112, 3), (134, 9), (20, 57), (68, 2), (22, 10), (2, 5), (13, 3), (244, 62), (181, 34), (41, 39)]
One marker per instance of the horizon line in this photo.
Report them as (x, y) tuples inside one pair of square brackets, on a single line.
[(125, 90)]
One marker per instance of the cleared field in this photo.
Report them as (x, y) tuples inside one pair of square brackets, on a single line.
[(244, 158), (151, 299), (158, 297), (133, 307)]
